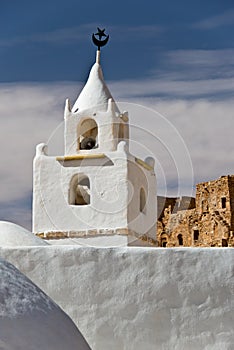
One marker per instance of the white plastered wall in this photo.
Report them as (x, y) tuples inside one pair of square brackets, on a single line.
[(108, 187), (115, 183), (139, 177), (138, 298)]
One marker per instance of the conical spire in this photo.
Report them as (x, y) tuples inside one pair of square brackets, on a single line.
[(95, 93)]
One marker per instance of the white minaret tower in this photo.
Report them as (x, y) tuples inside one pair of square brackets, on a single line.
[(97, 193)]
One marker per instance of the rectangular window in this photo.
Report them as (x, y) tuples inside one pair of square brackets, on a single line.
[(223, 200), (205, 207), (196, 235)]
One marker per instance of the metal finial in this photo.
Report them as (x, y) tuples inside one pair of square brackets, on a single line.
[(98, 42)]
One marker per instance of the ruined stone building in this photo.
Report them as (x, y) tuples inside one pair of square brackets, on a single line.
[(204, 221)]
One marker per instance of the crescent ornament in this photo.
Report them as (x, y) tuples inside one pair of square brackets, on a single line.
[(98, 42)]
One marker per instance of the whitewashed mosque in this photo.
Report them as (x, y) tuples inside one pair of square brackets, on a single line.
[(97, 192), (123, 298)]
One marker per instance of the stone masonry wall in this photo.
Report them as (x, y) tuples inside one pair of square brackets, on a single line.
[(210, 223)]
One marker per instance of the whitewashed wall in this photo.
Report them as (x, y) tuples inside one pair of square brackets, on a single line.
[(108, 209), (139, 298)]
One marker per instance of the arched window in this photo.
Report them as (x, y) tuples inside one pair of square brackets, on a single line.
[(180, 239), (142, 200), (164, 242), (87, 133), (224, 243), (79, 191)]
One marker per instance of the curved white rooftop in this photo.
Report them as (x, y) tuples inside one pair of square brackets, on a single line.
[(29, 319), (14, 235), (95, 92)]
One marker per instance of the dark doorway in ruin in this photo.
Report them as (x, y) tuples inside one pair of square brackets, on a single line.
[(224, 243), (180, 239), (195, 235), (223, 201)]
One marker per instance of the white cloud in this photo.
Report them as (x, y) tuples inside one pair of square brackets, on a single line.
[(200, 64), (207, 129), (223, 19), (28, 115), (185, 74), (201, 110), (193, 74), (175, 88)]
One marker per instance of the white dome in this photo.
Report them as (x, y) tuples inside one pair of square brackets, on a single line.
[(14, 235), (29, 319)]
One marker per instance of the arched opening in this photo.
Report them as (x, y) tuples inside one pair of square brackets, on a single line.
[(79, 191), (87, 132), (164, 242), (224, 243), (180, 239), (142, 200)]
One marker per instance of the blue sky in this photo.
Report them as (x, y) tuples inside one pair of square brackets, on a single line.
[(176, 57), (50, 40)]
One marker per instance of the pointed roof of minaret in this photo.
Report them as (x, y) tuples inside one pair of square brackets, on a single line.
[(95, 92)]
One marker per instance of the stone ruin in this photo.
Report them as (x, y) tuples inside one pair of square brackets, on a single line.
[(204, 221)]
